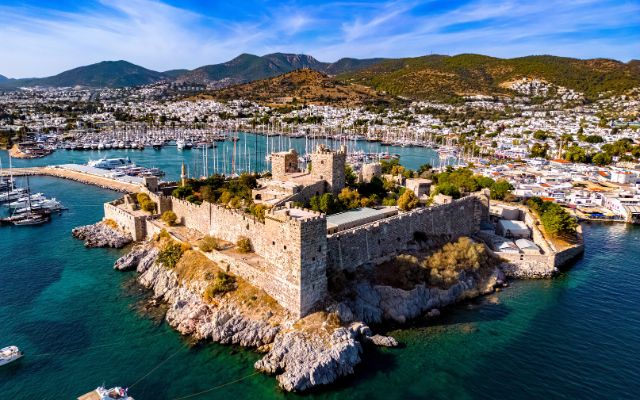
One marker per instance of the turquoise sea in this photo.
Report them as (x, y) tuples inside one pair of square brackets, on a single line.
[(573, 337)]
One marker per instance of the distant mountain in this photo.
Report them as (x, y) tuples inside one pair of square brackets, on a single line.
[(3, 78), (303, 86), (440, 77), (174, 73), (103, 74), (249, 67)]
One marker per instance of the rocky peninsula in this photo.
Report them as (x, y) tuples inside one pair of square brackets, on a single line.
[(302, 353)]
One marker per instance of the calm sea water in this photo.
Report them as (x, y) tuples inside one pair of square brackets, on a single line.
[(249, 155), (576, 336)]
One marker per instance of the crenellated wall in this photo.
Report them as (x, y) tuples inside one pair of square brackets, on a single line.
[(126, 220), (382, 240), (291, 248)]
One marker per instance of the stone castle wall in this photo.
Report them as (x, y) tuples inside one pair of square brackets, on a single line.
[(127, 221), (293, 271), (382, 240)]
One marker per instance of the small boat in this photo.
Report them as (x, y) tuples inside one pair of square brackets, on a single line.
[(102, 393), (157, 145), (9, 354), (180, 144)]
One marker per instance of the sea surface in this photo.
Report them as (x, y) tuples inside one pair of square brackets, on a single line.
[(248, 154), (573, 337)]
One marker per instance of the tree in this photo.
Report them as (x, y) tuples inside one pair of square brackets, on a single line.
[(601, 159), (169, 217), (447, 189), (349, 176), (349, 198), (408, 200), (500, 189), (182, 192)]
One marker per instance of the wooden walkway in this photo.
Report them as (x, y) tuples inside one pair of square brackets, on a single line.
[(89, 179)]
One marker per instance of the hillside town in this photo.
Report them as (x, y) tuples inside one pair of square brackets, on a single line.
[(547, 141)]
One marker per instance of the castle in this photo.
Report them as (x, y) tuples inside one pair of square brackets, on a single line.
[(293, 251)]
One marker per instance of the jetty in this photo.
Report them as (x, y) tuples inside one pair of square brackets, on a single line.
[(80, 173)]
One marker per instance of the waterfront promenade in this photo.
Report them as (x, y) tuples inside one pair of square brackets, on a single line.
[(66, 172)]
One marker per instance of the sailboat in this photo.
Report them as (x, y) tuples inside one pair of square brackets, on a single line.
[(29, 217)]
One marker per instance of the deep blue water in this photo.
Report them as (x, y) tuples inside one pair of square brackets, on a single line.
[(576, 336)]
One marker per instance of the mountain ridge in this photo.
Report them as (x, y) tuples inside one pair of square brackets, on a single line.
[(430, 77), (441, 77)]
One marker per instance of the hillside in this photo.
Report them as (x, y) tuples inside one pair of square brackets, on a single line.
[(448, 77), (303, 86), (248, 68), (102, 74), (3, 78)]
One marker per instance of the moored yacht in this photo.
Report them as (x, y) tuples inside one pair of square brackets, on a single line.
[(110, 163)]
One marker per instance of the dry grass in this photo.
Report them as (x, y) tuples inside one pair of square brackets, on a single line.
[(318, 322), (195, 266), (110, 223)]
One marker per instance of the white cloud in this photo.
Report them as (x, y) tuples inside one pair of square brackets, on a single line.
[(39, 42)]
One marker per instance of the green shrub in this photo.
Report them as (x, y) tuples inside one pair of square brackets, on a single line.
[(163, 234), (169, 217), (170, 254), (243, 245), (149, 206), (408, 201), (208, 244), (223, 283)]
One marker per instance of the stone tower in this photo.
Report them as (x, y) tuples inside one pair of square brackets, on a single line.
[(283, 163), (183, 175), (328, 165)]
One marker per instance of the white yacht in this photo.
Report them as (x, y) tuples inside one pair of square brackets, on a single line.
[(12, 195), (9, 354), (102, 393), (24, 200), (110, 163), (42, 205), (180, 143)]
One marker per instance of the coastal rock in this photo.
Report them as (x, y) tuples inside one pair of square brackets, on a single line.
[(189, 314), (528, 270), (383, 341), (102, 235), (377, 303), (131, 260), (304, 360)]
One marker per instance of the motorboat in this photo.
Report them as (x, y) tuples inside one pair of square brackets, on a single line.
[(9, 354), (110, 163), (180, 143), (102, 393)]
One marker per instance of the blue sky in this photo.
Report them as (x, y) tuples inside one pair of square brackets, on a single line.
[(40, 38)]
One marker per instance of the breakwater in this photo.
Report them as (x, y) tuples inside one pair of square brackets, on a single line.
[(64, 173)]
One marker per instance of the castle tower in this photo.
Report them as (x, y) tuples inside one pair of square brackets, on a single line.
[(183, 175), (328, 165), (283, 163)]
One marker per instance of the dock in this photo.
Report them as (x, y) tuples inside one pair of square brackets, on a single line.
[(82, 174)]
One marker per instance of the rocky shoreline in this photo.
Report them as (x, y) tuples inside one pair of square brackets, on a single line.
[(303, 354), (102, 234)]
